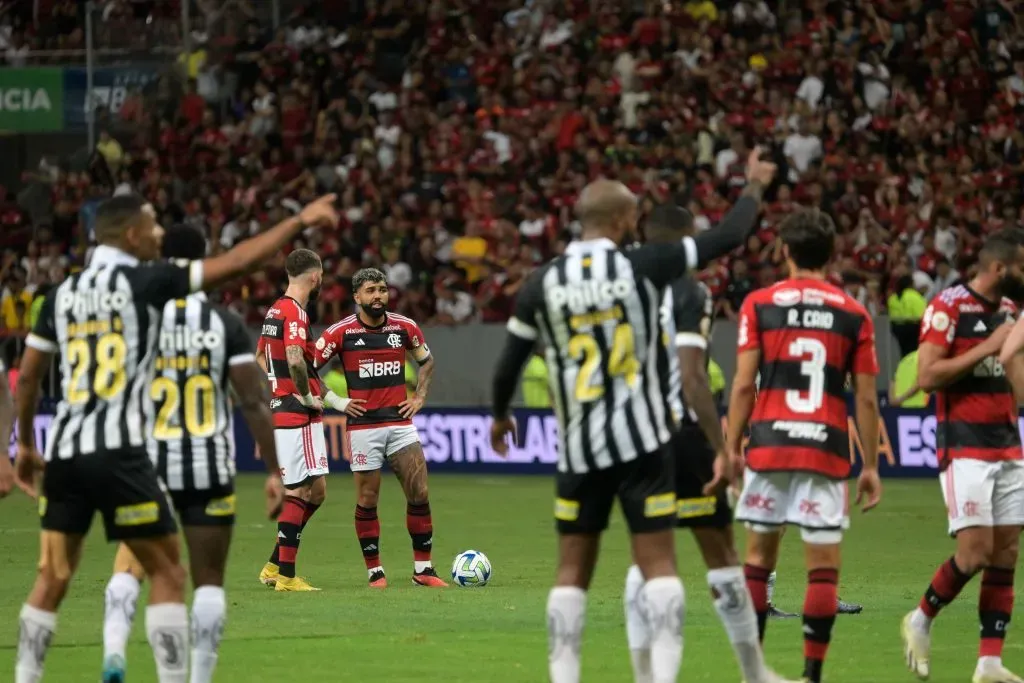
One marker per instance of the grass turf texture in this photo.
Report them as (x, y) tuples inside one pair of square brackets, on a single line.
[(497, 634)]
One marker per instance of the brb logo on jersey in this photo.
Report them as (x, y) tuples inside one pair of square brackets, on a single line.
[(370, 368), (394, 341)]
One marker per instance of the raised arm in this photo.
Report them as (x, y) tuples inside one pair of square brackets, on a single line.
[(255, 250)]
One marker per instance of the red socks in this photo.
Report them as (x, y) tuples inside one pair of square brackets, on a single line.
[(820, 604), (289, 528), (945, 586), (995, 605), (421, 530), (368, 531), (757, 584)]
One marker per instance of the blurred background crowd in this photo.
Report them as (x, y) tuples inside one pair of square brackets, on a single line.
[(457, 134)]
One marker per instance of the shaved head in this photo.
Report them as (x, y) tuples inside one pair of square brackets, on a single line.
[(607, 208)]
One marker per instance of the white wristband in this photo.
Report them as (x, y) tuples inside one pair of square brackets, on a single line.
[(336, 402), (306, 400)]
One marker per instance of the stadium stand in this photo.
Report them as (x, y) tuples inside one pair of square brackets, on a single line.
[(457, 133)]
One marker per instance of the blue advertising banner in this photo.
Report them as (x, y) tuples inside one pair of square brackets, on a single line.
[(111, 86), (458, 440)]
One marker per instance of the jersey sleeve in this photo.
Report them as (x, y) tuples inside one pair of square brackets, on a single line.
[(749, 338), (296, 325), (663, 263), (239, 343), (529, 304), (162, 282), (938, 325), (692, 315), (43, 336), (328, 344), (865, 358), (416, 344)]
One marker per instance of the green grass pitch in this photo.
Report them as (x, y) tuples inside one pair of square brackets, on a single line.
[(406, 634)]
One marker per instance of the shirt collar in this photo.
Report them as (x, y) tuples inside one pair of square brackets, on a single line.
[(107, 255), (583, 246)]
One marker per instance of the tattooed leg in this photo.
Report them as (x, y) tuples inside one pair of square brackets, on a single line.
[(411, 469)]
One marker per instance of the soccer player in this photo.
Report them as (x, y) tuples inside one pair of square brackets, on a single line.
[(285, 352), (804, 336), (979, 449), (701, 463), (202, 347), (372, 345), (96, 459), (596, 310)]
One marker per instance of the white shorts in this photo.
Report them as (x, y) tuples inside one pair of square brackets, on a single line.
[(369, 448), (817, 504), (981, 493), (301, 452)]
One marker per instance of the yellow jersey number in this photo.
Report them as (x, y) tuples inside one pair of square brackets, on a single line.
[(622, 361), (200, 411), (110, 379)]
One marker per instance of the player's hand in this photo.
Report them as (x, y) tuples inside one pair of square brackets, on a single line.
[(501, 430), (869, 489), (6, 475), (410, 407), (321, 212), (355, 407), (760, 171), (316, 403), (27, 464), (274, 490), (724, 469)]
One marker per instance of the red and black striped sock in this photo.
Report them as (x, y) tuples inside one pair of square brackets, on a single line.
[(308, 515), (289, 532), (757, 584), (820, 604), (368, 532), (995, 605), (947, 583), (421, 530)]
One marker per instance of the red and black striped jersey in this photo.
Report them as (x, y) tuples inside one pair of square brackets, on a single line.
[(811, 336), (373, 359), (977, 414), (287, 325)]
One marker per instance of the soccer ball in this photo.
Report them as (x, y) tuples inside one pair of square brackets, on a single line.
[(471, 569)]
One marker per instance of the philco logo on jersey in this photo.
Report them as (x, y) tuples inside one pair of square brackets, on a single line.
[(369, 368), (580, 297), (183, 338), (81, 304)]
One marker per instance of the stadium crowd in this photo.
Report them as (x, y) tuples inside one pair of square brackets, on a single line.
[(457, 134)]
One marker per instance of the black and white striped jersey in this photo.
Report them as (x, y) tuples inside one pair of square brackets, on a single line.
[(596, 309), (686, 314), (192, 441), (104, 323)]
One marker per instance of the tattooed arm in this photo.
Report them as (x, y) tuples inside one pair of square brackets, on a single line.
[(423, 378), (300, 376)]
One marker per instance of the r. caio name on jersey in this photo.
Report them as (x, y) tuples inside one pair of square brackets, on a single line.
[(371, 368), (816, 320)]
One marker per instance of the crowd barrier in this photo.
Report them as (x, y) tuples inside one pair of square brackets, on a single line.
[(458, 440)]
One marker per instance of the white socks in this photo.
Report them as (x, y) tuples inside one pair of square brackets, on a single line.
[(567, 611), (736, 610), (167, 630), (121, 596), (419, 566), (209, 607), (638, 635), (921, 621), (34, 637), (771, 587), (665, 607), (654, 626)]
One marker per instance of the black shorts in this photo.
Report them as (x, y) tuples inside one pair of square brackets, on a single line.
[(645, 488), (695, 460), (213, 507), (121, 485)]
